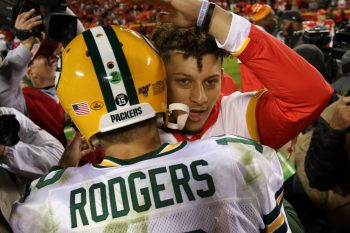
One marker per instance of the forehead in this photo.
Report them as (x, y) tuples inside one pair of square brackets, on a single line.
[(177, 58), (39, 58)]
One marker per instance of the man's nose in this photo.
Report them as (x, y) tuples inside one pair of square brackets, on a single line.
[(198, 94)]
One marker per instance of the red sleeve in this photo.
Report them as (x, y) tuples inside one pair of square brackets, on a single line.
[(228, 85), (249, 81), (297, 92)]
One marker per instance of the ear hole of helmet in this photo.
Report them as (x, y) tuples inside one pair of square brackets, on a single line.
[(179, 113)]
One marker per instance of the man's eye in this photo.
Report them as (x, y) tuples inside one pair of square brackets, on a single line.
[(212, 82), (183, 81)]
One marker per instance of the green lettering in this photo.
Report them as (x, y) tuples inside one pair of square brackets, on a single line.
[(74, 207), (42, 182), (156, 188), (200, 177), (103, 197), (144, 192), (123, 193), (247, 141), (177, 182)]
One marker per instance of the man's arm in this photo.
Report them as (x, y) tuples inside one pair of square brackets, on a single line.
[(297, 92), (12, 70), (14, 66), (36, 152)]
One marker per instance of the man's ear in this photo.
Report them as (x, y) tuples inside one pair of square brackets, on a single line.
[(30, 73), (222, 71)]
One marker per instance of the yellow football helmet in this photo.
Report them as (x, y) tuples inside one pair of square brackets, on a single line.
[(110, 77)]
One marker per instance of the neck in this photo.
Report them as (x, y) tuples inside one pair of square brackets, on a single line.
[(43, 85), (145, 140)]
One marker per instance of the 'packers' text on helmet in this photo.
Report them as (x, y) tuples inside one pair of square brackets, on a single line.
[(110, 77)]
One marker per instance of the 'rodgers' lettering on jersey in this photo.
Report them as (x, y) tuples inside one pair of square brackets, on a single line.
[(140, 191)]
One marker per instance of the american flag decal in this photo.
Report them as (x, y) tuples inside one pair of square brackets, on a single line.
[(81, 108)]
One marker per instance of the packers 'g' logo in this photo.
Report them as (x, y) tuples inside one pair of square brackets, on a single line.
[(116, 77), (97, 105)]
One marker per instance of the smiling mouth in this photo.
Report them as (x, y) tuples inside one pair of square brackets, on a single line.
[(196, 115)]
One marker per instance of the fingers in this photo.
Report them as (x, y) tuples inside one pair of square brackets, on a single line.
[(25, 21), (86, 152), (345, 100), (341, 115), (164, 17), (76, 140), (74, 152), (21, 18)]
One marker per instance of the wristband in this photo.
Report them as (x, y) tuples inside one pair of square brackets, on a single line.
[(202, 13), (22, 34), (208, 16)]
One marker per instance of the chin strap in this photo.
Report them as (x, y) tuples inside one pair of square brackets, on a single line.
[(181, 118)]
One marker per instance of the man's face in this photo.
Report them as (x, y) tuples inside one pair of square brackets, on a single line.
[(199, 89), (271, 22), (42, 71), (289, 26), (285, 27)]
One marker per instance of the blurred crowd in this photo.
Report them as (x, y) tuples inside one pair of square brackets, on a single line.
[(98, 12)]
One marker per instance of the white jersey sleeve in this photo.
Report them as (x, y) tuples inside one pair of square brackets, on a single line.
[(36, 152)]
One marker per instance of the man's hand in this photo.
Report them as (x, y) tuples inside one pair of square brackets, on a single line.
[(76, 150), (24, 27), (183, 13), (341, 116), (2, 150)]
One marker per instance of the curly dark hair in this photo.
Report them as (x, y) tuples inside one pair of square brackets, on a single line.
[(193, 42)]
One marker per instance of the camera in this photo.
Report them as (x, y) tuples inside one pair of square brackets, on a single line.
[(341, 42), (9, 128), (318, 35), (58, 25)]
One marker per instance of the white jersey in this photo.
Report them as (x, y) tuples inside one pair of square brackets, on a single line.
[(232, 118), (222, 184)]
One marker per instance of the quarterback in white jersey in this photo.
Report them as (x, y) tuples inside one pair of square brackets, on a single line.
[(222, 184)]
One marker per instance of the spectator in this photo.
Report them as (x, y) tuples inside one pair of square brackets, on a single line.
[(342, 85), (291, 28), (326, 210), (142, 175), (31, 153), (263, 16), (3, 48), (328, 162), (40, 102)]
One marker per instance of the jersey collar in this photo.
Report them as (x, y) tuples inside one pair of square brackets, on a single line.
[(164, 149)]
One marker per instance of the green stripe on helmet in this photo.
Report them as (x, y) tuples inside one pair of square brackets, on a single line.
[(123, 65), (100, 71)]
